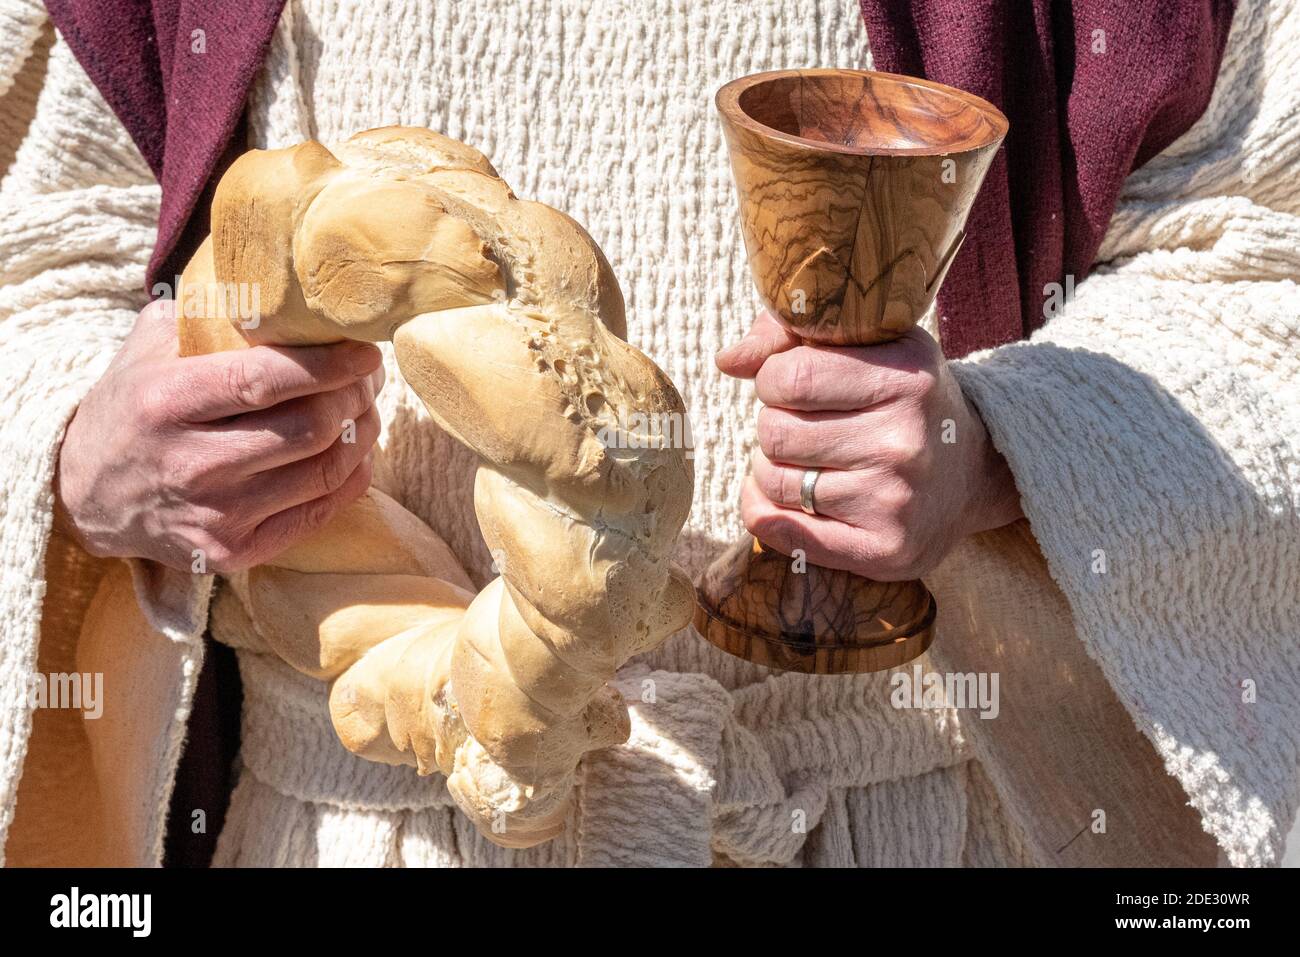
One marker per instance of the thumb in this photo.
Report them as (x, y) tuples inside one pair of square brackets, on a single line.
[(766, 337)]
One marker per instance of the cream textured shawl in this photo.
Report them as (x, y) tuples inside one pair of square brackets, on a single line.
[(1152, 426)]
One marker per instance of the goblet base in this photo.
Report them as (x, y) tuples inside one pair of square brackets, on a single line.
[(760, 605)]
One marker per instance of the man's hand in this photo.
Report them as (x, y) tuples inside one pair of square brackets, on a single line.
[(236, 454), (907, 468)]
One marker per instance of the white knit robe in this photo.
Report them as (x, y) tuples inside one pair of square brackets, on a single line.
[(1152, 427)]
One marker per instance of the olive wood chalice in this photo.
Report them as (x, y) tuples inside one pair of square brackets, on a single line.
[(854, 190)]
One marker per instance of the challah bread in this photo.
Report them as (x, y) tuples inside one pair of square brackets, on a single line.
[(505, 319)]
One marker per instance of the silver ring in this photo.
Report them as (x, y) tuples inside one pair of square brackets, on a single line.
[(808, 491)]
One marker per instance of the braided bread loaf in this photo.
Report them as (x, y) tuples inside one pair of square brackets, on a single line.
[(506, 320)]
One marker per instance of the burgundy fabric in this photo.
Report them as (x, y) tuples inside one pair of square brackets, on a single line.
[(180, 106), (1081, 121)]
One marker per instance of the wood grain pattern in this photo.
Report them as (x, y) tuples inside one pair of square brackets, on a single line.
[(854, 189), (816, 621)]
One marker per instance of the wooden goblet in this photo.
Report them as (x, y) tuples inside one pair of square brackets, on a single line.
[(854, 190)]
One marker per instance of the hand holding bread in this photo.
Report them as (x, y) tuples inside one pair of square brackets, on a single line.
[(505, 319), (203, 463)]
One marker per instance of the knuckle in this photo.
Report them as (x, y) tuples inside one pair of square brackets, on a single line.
[(329, 471), (904, 505), (312, 515), (296, 523), (320, 426), (922, 461), (897, 503), (919, 383), (779, 438), (248, 384), (788, 378), (360, 396), (901, 447), (802, 379), (774, 434)]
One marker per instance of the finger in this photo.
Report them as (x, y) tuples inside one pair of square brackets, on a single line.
[(277, 532), (835, 440), (216, 386), (841, 379), (765, 337), (823, 541), (291, 431), (277, 489), (837, 495)]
